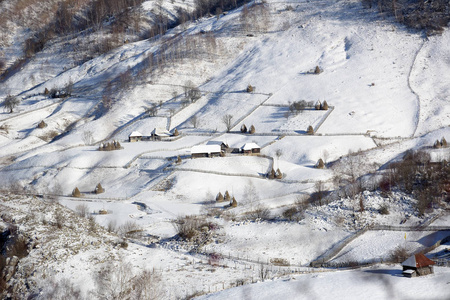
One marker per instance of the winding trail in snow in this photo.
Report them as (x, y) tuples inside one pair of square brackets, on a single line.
[(417, 117)]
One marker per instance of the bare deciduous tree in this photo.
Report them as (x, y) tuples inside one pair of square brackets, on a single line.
[(227, 121), (10, 103), (194, 121)]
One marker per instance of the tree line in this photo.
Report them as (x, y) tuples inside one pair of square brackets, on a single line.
[(430, 15)]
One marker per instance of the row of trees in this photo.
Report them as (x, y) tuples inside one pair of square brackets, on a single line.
[(432, 15), (416, 174)]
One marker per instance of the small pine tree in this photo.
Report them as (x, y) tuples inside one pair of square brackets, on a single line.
[(178, 159), (250, 88), (310, 130), (252, 129), (227, 196), (219, 197), (118, 145), (46, 91), (320, 164), (233, 202), (278, 174), (175, 132), (99, 189), (243, 128), (324, 105), (76, 192), (443, 143)]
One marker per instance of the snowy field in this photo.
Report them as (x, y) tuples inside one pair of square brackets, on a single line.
[(388, 89)]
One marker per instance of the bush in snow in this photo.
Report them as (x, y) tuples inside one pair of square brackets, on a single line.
[(310, 130), (250, 88), (99, 189), (399, 254)]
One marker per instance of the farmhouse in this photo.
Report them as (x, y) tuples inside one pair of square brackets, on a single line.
[(417, 265), (250, 148), (159, 134), (135, 136), (223, 145), (205, 151)]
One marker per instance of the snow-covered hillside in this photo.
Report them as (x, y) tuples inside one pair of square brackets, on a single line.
[(386, 90)]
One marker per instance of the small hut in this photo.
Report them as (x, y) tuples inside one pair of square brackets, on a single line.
[(417, 265), (135, 136), (250, 148)]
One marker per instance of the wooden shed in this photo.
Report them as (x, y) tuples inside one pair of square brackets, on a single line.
[(205, 151), (159, 134), (135, 136), (417, 265), (250, 148), (223, 145)]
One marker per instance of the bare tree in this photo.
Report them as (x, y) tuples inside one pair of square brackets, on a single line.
[(227, 121), (194, 121), (113, 281), (10, 103), (82, 210), (88, 137), (251, 197)]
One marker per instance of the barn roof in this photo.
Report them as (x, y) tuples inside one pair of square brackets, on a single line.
[(250, 146), (205, 149), (216, 143), (418, 261), (161, 132), (135, 134)]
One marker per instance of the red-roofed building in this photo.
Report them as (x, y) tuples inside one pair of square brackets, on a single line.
[(417, 265)]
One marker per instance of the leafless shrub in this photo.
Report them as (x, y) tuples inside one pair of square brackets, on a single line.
[(112, 226), (63, 289), (49, 136), (399, 254), (130, 229), (259, 213), (263, 272), (279, 261), (147, 285), (82, 210), (187, 227), (59, 218), (92, 223)]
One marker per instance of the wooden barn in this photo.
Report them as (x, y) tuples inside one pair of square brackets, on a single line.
[(135, 136), (223, 145), (250, 148), (417, 265), (205, 151), (160, 134)]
